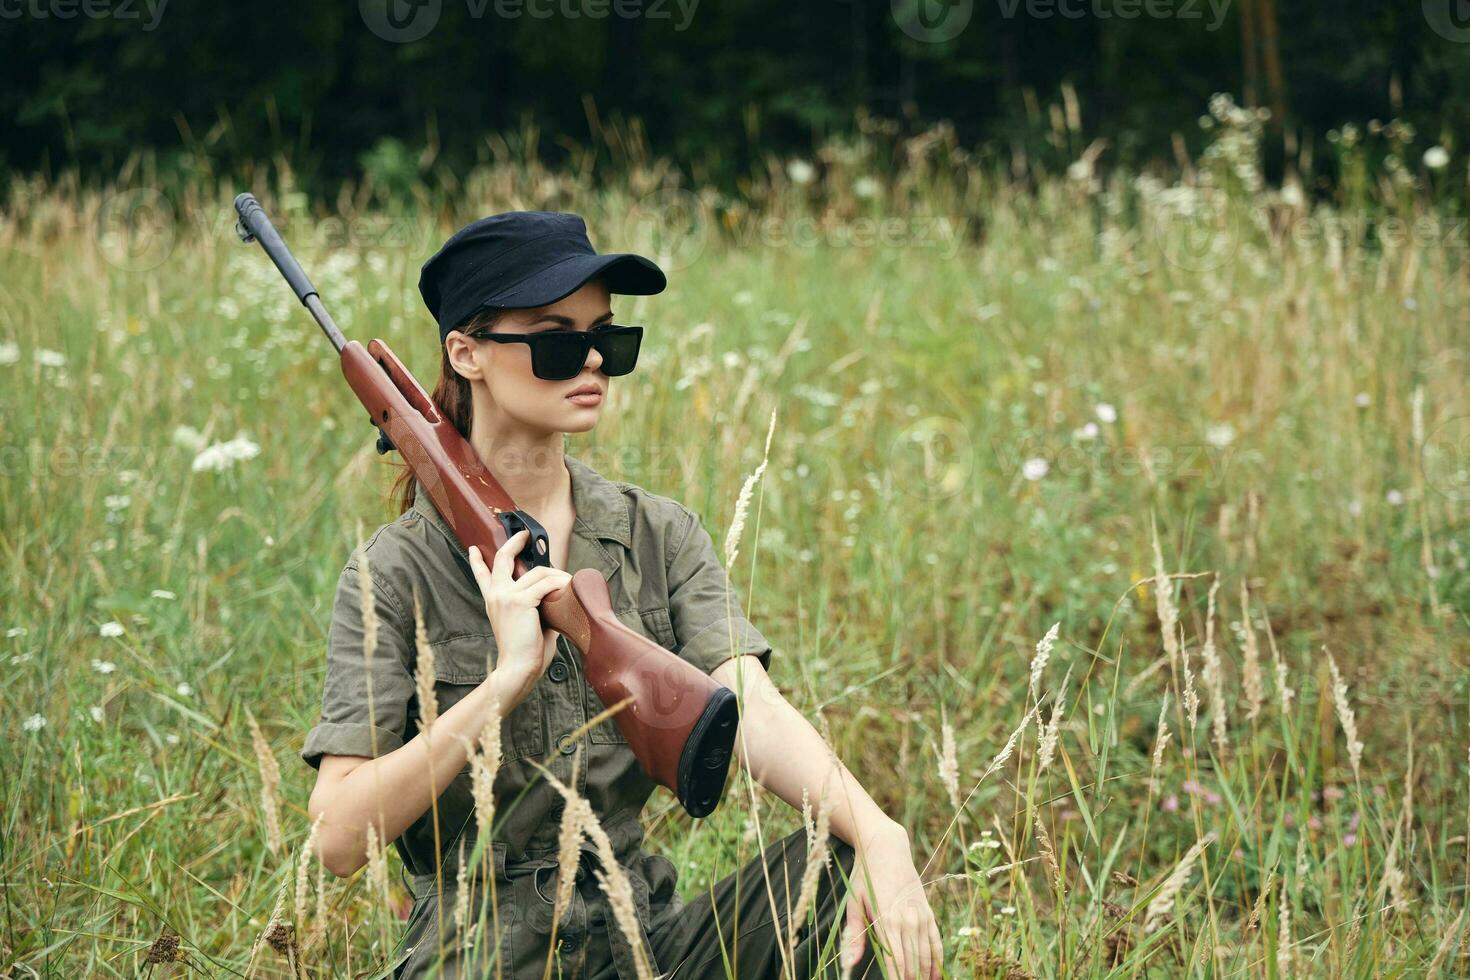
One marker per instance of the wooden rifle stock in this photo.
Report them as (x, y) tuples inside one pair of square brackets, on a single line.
[(681, 722)]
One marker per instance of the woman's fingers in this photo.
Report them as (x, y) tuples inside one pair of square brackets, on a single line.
[(537, 574), (924, 969), (853, 950), (544, 584), (505, 555), (936, 946)]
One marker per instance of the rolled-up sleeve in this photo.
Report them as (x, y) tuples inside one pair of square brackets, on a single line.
[(364, 700), (709, 624)]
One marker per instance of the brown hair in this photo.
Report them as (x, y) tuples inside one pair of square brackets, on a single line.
[(451, 395)]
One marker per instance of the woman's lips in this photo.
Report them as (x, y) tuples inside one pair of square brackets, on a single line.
[(586, 398)]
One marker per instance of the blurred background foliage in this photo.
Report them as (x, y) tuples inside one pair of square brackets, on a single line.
[(713, 86)]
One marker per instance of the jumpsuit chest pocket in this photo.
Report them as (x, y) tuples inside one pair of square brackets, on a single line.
[(461, 663), (652, 622)]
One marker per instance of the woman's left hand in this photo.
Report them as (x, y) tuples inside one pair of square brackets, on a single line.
[(886, 891)]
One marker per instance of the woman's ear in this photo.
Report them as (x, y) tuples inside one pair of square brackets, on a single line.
[(464, 355)]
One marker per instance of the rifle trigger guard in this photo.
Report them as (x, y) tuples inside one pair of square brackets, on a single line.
[(538, 549), (385, 445)]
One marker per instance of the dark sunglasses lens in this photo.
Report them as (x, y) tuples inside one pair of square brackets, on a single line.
[(557, 356), (619, 349)]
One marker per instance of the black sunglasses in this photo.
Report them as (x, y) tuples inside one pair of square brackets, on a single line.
[(559, 355)]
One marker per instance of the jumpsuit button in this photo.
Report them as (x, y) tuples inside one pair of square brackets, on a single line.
[(566, 944), (567, 744), (558, 671)]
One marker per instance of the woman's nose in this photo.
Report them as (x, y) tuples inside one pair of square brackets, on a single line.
[(594, 358)]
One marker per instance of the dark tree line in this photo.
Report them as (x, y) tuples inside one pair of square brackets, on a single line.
[(715, 83)]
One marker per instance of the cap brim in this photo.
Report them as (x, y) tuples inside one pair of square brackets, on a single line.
[(621, 272)]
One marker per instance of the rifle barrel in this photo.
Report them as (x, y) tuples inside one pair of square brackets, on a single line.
[(255, 225)]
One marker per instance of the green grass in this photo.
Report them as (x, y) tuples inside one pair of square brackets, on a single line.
[(902, 561)]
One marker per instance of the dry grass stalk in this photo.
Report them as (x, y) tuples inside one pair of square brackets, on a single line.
[(1345, 716), (368, 608), (1214, 677), (742, 503), (462, 894), (1283, 935), (1259, 908), (1164, 600), (1049, 737), (303, 873), (610, 876), (1161, 741), (1163, 903), (424, 668), (484, 768), (949, 764), (569, 847), (1010, 746), (377, 865), (1394, 880), (278, 912), (818, 857), (1250, 672), (1451, 938), (1191, 697), (1043, 654), (1283, 690), (270, 786), (1048, 852)]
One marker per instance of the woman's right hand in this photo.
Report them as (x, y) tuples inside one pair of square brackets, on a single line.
[(511, 604)]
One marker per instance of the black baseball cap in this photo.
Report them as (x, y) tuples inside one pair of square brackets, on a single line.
[(523, 259)]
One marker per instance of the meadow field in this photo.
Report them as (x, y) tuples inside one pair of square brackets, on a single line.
[(1217, 433)]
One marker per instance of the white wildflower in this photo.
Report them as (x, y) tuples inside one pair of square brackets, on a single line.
[(1395, 497), (184, 689), (103, 666), (112, 628), (189, 437), (865, 188), (96, 712), (800, 172), (223, 455), (15, 631), (1035, 469), (1220, 435), (34, 723), (9, 353), (1436, 158), (162, 594), (50, 358), (1105, 413)]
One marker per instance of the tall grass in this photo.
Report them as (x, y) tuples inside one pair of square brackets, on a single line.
[(994, 390)]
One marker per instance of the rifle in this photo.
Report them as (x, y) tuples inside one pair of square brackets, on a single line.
[(681, 722)]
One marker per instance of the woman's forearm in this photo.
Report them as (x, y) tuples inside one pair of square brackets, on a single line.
[(786, 755), (395, 789)]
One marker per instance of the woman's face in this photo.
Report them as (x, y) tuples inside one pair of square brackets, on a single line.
[(516, 394)]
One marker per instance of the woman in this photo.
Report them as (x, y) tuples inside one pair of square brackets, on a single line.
[(523, 306)]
